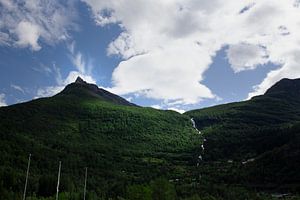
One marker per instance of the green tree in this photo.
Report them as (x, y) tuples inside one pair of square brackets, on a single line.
[(139, 192), (162, 189)]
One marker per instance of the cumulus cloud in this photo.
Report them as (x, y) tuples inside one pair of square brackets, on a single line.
[(25, 23), (167, 46), (246, 56), (154, 77), (2, 100), (28, 35)]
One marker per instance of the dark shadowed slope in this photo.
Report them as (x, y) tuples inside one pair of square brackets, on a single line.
[(263, 130)]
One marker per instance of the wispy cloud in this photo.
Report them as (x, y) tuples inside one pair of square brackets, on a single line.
[(18, 88), (82, 64), (82, 69)]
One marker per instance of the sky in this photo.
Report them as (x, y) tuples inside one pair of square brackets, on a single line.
[(171, 54)]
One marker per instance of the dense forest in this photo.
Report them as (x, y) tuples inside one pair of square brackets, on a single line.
[(246, 150), (263, 133), (121, 145)]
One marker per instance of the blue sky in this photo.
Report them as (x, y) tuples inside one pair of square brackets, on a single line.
[(168, 55)]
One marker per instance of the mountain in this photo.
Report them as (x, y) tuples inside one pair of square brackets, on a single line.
[(84, 126), (285, 88), (243, 150), (82, 89), (263, 133)]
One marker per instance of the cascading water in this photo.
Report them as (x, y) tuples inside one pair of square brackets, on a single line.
[(200, 158)]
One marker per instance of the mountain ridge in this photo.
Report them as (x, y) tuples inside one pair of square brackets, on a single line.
[(279, 89), (81, 88), (285, 86)]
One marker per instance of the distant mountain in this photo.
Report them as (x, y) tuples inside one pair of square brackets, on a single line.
[(264, 131), (84, 126)]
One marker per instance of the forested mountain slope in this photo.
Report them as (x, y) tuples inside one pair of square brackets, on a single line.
[(84, 126), (262, 132), (245, 150)]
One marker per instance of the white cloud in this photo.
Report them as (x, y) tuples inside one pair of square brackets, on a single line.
[(25, 23), (4, 39), (177, 110), (79, 62), (246, 56), (165, 107), (48, 91), (2, 100), (156, 106), (290, 69), (28, 35), (168, 45), (83, 65), (152, 75)]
